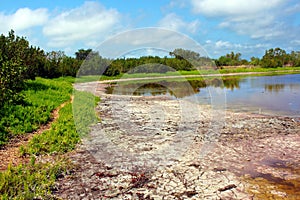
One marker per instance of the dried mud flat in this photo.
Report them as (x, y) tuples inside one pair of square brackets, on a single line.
[(160, 148)]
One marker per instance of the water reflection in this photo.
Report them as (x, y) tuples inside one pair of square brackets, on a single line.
[(178, 89), (274, 87), (263, 94)]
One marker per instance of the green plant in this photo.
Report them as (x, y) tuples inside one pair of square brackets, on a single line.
[(32, 181), (41, 96), (84, 111), (62, 136)]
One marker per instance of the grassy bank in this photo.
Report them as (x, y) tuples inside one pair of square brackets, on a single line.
[(41, 97), (286, 70), (36, 180), (280, 70), (66, 131)]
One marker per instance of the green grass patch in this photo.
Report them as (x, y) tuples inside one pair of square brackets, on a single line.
[(84, 111), (32, 181), (143, 75), (280, 70), (66, 132), (260, 69), (91, 78), (41, 97), (62, 136), (36, 180)]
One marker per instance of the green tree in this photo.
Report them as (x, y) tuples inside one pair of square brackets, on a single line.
[(82, 54), (18, 62), (294, 58), (68, 66), (185, 54), (274, 58), (254, 61), (53, 61), (231, 59), (11, 81), (15, 48), (94, 64)]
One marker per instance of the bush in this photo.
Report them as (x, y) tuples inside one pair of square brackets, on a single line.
[(11, 82), (18, 62)]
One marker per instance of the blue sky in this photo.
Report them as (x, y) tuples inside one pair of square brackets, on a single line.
[(219, 26)]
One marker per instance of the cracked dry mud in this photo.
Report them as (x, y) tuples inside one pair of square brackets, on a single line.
[(160, 148)]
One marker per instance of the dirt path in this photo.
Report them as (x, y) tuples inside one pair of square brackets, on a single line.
[(10, 153), (147, 148)]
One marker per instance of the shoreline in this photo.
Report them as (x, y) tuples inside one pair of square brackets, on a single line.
[(252, 156), (98, 88), (195, 76)]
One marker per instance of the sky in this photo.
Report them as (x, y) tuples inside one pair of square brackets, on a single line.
[(218, 26)]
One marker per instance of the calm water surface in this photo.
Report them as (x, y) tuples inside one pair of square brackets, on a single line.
[(279, 95)]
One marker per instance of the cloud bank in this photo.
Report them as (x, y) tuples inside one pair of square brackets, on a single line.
[(22, 19), (85, 23), (174, 22)]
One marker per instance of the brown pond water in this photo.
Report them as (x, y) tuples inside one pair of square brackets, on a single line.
[(270, 186)]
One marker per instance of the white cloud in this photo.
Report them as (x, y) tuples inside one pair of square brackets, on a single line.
[(176, 4), (22, 19), (260, 26), (85, 24), (256, 18), (233, 7), (147, 38), (220, 47), (295, 42), (293, 9), (174, 22), (223, 44)]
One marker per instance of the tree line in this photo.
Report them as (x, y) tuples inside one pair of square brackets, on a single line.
[(20, 61), (273, 58)]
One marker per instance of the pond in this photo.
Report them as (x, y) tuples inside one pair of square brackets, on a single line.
[(274, 95)]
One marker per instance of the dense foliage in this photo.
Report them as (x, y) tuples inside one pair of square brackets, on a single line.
[(18, 62), (65, 133), (273, 58), (232, 59)]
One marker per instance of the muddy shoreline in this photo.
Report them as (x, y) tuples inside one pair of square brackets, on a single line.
[(159, 148)]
